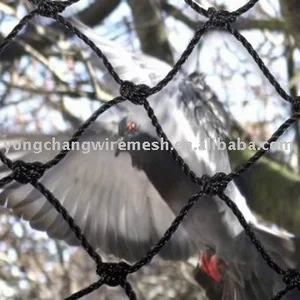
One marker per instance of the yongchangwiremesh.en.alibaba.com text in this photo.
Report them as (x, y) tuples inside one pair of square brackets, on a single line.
[(87, 146)]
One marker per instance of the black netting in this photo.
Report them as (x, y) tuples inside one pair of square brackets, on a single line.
[(115, 274)]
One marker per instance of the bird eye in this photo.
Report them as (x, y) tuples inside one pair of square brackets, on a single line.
[(131, 126)]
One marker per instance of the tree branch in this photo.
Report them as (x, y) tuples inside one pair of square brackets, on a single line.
[(151, 29), (91, 16), (290, 10)]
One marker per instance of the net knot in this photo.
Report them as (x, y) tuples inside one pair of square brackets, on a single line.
[(220, 18), (292, 278), (113, 274), (296, 104), (48, 8), (24, 172), (215, 184), (136, 93)]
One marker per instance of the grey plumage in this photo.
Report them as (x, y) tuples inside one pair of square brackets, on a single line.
[(124, 201)]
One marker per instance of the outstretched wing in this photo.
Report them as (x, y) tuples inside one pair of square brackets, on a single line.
[(138, 68), (116, 206)]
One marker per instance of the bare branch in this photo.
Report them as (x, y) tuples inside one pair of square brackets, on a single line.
[(151, 29), (91, 16)]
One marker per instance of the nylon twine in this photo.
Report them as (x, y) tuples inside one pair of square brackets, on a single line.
[(115, 274)]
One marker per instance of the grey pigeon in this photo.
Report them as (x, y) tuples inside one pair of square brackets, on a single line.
[(124, 200)]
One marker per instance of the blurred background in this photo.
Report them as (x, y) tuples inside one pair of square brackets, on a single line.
[(48, 84)]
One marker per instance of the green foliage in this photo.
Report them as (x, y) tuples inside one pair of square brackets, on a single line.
[(272, 190)]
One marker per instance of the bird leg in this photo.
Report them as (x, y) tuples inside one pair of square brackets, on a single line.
[(210, 264)]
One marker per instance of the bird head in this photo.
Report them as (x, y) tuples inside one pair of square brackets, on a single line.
[(128, 129)]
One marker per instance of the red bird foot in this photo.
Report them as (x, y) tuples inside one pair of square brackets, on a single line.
[(211, 265)]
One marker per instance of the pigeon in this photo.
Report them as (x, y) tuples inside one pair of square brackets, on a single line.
[(125, 198)]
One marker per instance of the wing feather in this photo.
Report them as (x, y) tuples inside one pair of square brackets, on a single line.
[(115, 204)]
